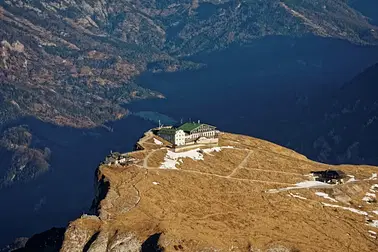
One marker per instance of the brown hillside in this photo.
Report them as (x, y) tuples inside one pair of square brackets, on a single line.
[(228, 202)]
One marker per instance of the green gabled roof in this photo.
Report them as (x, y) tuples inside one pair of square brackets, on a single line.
[(189, 126), (167, 130)]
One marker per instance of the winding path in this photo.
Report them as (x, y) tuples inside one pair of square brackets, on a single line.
[(215, 175), (229, 176), (242, 163)]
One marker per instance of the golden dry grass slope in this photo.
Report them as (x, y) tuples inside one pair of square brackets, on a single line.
[(228, 199)]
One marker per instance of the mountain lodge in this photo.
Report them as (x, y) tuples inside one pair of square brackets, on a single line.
[(189, 133)]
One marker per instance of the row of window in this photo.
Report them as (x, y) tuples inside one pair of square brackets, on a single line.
[(203, 130), (207, 134)]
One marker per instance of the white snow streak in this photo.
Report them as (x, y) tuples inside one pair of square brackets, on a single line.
[(374, 176), (157, 142), (214, 149), (374, 188), (217, 149), (372, 233), (347, 208), (302, 185), (370, 196), (352, 179), (325, 195), (296, 196)]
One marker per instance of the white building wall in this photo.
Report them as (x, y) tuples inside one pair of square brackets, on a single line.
[(180, 138)]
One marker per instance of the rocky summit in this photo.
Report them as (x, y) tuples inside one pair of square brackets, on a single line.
[(74, 62), (244, 195)]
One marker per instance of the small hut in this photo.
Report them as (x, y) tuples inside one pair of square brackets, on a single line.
[(329, 176)]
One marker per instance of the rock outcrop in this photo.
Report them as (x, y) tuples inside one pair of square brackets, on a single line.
[(50, 240)]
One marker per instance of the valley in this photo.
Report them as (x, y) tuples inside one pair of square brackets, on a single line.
[(266, 98)]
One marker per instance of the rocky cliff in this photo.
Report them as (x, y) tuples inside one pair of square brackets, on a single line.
[(245, 195)]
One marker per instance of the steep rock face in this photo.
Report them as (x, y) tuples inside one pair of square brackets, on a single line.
[(356, 119), (73, 62), (346, 131), (101, 190), (239, 197), (50, 240), (367, 8)]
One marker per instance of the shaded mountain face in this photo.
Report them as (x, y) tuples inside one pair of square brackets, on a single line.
[(366, 7), (50, 240), (347, 126), (73, 62), (20, 159)]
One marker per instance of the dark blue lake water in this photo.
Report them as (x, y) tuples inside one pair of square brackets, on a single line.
[(265, 89)]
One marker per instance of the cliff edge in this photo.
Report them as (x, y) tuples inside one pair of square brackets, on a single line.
[(245, 195)]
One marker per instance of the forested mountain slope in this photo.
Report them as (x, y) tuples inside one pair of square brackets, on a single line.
[(73, 62)]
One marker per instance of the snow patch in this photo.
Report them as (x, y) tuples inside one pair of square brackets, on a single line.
[(347, 208), (370, 196), (175, 158), (302, 185), (374, 176), (352, 179), (157, 142), (372, 234), (214, 149), (217, 149), (296, 196), (374, 188), (373, 223), (368, 199), (326, 196)]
